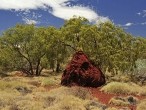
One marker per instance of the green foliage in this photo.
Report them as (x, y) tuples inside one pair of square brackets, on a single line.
[(141, 64), (31, 49), (24, 47)]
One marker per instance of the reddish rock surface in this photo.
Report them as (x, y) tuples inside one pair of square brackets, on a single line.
[(81, 72)]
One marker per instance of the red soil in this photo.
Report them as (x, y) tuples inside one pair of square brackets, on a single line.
[(105, 98)]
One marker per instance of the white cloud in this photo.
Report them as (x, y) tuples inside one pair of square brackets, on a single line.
[(102, 20), (29, 17), (144, 11), (139, 13), (128, 24), (68, 12), (59, 8), (30, 21), (142, 14), (144, 23)]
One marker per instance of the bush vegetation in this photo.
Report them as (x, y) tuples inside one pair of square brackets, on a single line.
[(31, 49), (124, 88), (14, 96), (124, 101)]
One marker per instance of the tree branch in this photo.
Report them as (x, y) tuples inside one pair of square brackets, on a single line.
[(69, 46)]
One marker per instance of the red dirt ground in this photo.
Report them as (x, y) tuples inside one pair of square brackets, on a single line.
[(105, 98)]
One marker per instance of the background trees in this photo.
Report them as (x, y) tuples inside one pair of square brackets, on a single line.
[(31, 49), (26, 47)]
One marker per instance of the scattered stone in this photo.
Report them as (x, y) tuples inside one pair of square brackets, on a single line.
[(132, 100)]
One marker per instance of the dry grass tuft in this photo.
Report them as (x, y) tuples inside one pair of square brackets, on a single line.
[(124, 88), (79, 92), (68, 102), (62, 98), (111, 108), (141, 105), (50, 81), (31, 93), (124, 101), (118, 102)]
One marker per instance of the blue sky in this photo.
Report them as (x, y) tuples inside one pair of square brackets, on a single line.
[(130, 14)]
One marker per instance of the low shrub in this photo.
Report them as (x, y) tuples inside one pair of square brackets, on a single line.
[(118, 101), (123, 101), (67, 103), (123, 88), (79, 92), (50, 81)]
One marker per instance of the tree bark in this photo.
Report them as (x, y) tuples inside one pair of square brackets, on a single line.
[(37, 68), (58, 67), (30, 63)]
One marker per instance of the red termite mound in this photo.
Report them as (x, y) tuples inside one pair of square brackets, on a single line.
[(81, 72)]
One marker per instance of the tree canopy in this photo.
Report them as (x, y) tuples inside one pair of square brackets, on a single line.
[(31, 49)]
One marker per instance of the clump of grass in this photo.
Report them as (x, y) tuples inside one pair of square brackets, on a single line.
[(116, 87), (111, 108), (123, 88), (74, 98), (39, 98), (50, 81), (9, 85), (95, 105), (29, 105), (141, 105), (118, 101), (74, 91), (7, 98), (142, 91), (123, 101), (80, 93), (120, 78), (68, 103), (62, 98)]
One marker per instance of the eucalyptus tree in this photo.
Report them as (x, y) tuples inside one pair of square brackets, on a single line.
[(120, 49), (108, 49), (138, 49), (108, 45), (71, 32), (57, 53), (30, 49), (27, 47), (102, 43)]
